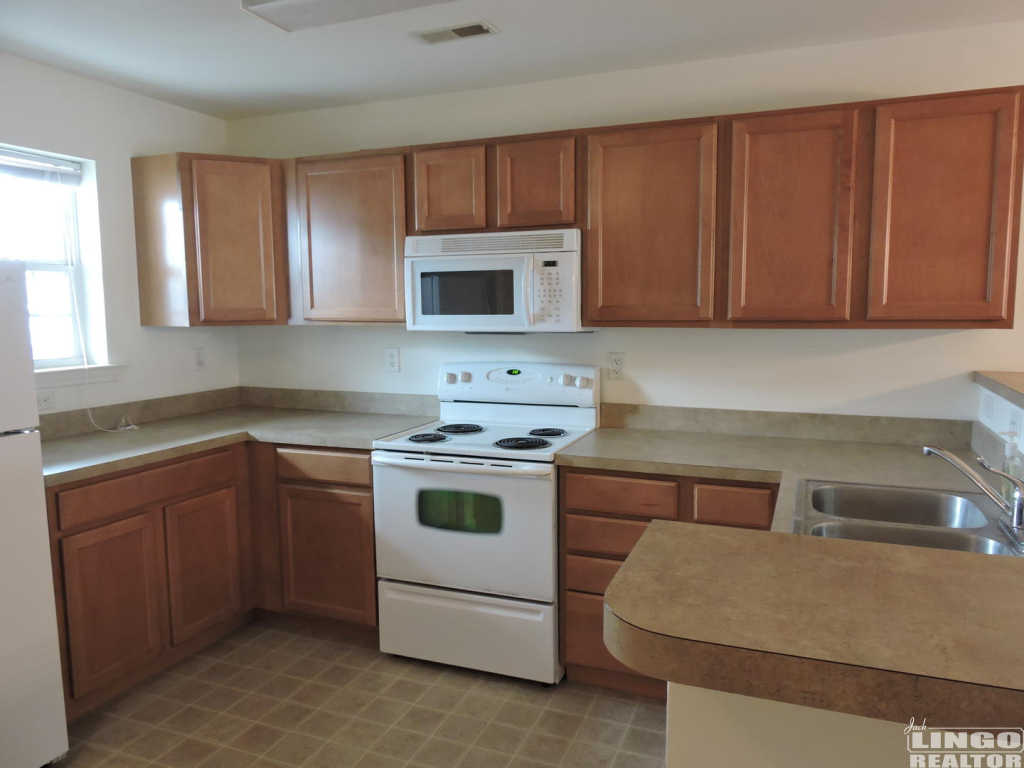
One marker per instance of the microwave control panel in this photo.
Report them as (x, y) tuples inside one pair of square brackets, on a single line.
[(556, 305)]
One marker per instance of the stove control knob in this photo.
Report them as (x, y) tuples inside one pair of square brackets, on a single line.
[(582, 382), (450, 378), (465, 377), (565, 380)]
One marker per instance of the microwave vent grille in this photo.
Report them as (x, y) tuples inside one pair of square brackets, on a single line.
[(511, 242)]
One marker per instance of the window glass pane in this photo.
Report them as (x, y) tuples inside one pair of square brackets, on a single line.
[(34, 220), (470, 292), (460, 511), (49, 293), (53, 337)]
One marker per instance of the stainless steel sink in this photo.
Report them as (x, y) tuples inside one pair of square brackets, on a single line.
[(935, 538), (897, 505), (964, 522)]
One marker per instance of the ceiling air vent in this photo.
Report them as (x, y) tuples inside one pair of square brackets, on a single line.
[(456, 33)]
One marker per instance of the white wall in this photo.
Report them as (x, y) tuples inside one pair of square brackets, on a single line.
[(54, 111), (884, 372)]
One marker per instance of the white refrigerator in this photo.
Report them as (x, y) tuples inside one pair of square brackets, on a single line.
[(33, 730)]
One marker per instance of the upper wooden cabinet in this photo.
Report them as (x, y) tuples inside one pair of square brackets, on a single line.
[(945, 208), (791, 238), (536, 182), (352, 238), (209, 235), (451, 188), (651, 225)]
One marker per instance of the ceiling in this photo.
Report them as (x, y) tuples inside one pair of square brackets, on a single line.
[(210, 56)]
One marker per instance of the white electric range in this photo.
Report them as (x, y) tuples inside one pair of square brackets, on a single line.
[(466, 518)]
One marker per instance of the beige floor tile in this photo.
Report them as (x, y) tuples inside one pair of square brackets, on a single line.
[(603, 732), (276, 662), (258, 738), (314, 694), (125, 705), (119, 760), (569, 700), (229, 758), (522, 762), (371, 682), (281, 686), (441, 697), (152, 744), (439, 753), (518, 714), (479, 705), (424, 672), (583, 755), (484, 758), (189, 690), (85, 756), (253, 706), (189, 720), (405, 690), (399, 743), (421, 719), (460, 728), (287, 715), (644, 742), (649, 716), (322, 724), (463, 679), (501, 738), (295, 749), (612, 709), (305, 668), (223, 729), (245, 655), (347, 702), (118, 734), (386, 711), (334, 755), (219, 672), (371, 760), (189, 753), (337, 675), (560, 724), (221, 698), (360, 733), (544, 748), (157, 711), (629, 760)]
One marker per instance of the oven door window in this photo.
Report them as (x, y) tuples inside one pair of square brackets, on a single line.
[(470, 292), (459, 511)]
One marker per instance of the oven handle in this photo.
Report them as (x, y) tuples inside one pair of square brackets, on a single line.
[(541, 470)]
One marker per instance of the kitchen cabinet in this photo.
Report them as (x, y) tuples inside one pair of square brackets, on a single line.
[(791, 241), (352, 238), (536, 182), (945, 215), (650, 234), (603, 514), (150, 565), (450, 188), (210, 240)]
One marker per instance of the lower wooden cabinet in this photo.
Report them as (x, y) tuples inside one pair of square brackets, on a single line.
[(202, 563), (327, 552), (115, 593)]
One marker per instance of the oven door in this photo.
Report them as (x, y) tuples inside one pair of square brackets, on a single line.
[(469, 293), (481, 525)]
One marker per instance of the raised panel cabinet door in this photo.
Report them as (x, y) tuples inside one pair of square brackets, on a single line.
[(537, 182), (451, 189), (945, 208), (232, 205), (114, 586), (651, 224), (352, 215), (791, 244), (202, 563), (327, 552)]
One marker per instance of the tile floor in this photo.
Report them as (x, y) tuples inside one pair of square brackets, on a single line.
[(282, 694)]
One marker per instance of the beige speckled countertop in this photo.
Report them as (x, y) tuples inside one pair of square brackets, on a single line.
[(68, 459), (787, 461)]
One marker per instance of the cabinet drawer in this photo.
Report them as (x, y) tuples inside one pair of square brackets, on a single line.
[(601, 535), (323, 466), (589, 574), (110, 498), (584, 634), (728, 505), (623, 495)]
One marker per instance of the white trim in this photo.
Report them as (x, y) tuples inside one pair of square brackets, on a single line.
[(77, 375)]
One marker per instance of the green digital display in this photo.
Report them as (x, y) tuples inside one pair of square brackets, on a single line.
[(513, 371)]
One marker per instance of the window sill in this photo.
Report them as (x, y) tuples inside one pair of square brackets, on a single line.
[(71, 377)]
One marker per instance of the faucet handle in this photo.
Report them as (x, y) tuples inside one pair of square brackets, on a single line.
[(1017, 483)]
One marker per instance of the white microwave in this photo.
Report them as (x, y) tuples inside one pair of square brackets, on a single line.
[(494, 282)]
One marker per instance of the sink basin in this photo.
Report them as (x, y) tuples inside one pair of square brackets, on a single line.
[(897, 505), (935, 538)]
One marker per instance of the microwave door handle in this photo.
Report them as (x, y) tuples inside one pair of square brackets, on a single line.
[(528, 290)]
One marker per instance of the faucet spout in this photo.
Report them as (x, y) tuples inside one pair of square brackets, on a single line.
[(1013, 506)]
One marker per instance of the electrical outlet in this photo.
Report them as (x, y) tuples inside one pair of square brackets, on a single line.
[(199, 358), (46, 400), (616, 366), (1015, 417), (392, 361)]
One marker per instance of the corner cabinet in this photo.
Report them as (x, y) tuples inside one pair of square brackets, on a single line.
[(650, 234), (210, 240), (352, 238)]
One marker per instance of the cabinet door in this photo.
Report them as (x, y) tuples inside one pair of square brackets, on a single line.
[(232, 206), (352, 216), (202, 563), (651, 228), (327, 552), (537, 183), (945, 208), (451, 188), (791, 245), (114, 586)]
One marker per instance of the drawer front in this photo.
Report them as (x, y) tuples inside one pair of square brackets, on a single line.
[(323, 466), (728, 505), (623, 495), (589, 574), (110, 498), (584, 634), (602, 535)]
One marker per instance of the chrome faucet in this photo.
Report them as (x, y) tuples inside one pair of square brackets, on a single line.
[(1014, 506)]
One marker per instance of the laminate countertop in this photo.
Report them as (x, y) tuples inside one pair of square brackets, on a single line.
[(79, 457)]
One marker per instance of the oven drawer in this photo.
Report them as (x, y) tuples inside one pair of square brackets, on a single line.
[(589, 574), (635, 496), (492, 634), (602, 535), (584, 634)]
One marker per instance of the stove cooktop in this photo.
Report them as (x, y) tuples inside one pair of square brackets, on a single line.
[(492, 440)]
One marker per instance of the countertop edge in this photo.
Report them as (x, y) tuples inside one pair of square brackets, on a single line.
[(998, 382)]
